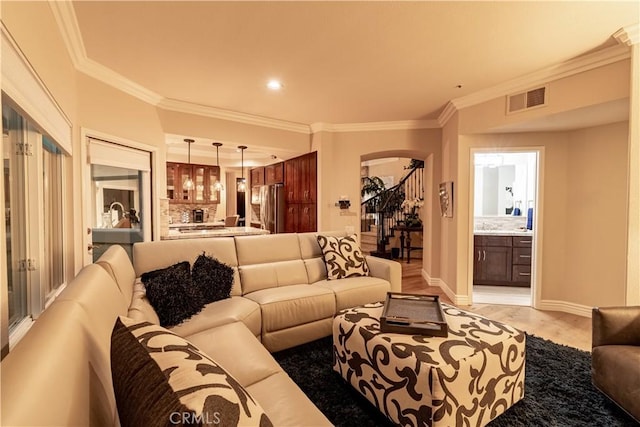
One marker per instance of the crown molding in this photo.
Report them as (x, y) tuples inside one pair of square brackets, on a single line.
[(219, 113), (67, 21), (375, 126), (628, 35), (68, 24), (446, 114), (554, 72), (65, 17), (21, 82)]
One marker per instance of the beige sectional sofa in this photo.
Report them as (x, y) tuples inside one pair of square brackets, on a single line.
[(59, 374)]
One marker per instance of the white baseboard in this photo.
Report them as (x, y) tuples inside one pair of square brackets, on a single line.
[(548, 305), (565, 307), (436, 281)]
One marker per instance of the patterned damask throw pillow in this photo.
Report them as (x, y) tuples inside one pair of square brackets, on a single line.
[(161, 379), (342, 257)]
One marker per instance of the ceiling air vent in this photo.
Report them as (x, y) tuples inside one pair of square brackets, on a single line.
[(526, 100)]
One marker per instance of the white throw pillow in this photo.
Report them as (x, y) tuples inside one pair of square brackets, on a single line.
[(342, 257)]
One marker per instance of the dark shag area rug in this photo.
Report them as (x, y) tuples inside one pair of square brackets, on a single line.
[(558, 389)]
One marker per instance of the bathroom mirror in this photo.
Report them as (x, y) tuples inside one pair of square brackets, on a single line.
[(503, 182)]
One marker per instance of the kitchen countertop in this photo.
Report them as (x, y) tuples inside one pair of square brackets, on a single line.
[(219, 223), (503, 232), (216, 232)]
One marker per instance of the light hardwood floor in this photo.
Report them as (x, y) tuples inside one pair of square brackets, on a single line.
[(561, 328)]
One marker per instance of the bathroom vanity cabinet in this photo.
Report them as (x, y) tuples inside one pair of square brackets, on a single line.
[(502, 260)]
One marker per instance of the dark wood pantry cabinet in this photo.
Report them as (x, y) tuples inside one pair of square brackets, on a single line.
[(300, 187)]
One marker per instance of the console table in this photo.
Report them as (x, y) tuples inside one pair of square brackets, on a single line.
[(405, 235)]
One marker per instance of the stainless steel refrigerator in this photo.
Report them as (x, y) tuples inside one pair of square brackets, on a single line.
[(272, 208)]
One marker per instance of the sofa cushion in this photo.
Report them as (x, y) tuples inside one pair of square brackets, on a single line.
[(267, 248), (357, 291), (240, 352), (173, 296), (230, 310), (160, 378), (153, 255), (117, 263), (213, 277), (343, 257), (309, 247), (293, 305), (271, 275)]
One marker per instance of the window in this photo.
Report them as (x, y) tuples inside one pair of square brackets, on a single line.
[(34, 211)]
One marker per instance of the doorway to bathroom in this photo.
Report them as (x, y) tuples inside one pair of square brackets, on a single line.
[(505, 201)]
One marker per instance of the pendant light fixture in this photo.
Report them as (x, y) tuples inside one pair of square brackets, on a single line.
[(242, 187), (218, 185), (188, 184)]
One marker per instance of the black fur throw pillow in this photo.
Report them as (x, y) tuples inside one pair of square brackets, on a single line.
[(213, 277), (184, 266), (173, 296)]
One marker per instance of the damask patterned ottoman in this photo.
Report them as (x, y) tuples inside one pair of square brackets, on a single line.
[(465, 379)]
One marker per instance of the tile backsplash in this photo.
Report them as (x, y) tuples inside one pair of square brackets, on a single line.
[(499, 222), (176, 209)]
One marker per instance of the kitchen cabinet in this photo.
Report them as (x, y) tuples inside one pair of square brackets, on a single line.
[(300, 179), (300, 218), (492, 260), (204, 177), (172, 176), (300, 186), (257, 176), (274, 174), (502, 260)]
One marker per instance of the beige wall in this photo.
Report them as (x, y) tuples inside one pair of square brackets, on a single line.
[(571, 160), (447, 271), (597, 86), (394, 168), (584, 228), (595, 266), (33, 27), (339, 158), (234, 132), (633, 188)]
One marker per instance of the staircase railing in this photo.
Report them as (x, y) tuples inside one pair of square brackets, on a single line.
[(386, 205)]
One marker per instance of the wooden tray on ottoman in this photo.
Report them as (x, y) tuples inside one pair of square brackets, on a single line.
[(413, 314)]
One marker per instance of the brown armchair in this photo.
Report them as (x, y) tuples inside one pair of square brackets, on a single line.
[(615, 356)]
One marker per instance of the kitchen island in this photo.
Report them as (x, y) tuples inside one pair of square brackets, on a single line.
[(192, 233)]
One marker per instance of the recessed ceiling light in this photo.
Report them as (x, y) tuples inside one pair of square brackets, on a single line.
[(274, 85)]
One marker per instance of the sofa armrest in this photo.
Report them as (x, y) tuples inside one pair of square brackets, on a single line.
[(615, 326), (386, 269)]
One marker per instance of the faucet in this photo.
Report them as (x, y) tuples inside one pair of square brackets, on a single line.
[(117, 215)]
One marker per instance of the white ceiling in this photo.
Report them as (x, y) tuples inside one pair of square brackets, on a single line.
[(340, 62)]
